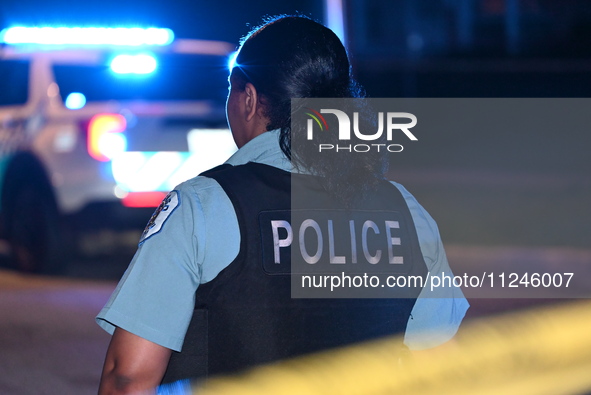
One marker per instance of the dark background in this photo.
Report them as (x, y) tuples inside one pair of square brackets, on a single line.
[(483, 188), (437, 48)]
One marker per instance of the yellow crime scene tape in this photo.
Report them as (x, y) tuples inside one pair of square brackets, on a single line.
[(541, 351)]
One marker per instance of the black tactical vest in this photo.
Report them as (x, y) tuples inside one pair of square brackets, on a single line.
[(246, 315)]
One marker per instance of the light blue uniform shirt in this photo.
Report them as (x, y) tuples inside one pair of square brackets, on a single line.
[(198, 236)]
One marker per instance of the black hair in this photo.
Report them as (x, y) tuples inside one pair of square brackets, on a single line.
[(295, 57)]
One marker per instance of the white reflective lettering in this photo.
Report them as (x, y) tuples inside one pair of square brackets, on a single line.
[(392, 241), (310, 223), (375, 258), (277, 242), (333, 258), (353, 241)]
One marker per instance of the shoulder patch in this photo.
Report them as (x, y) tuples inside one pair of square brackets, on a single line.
[(168, 205)]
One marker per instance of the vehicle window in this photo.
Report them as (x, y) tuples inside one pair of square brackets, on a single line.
[(177, 77), (15, 82)]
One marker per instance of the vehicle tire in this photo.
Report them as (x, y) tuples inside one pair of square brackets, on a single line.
[(31, 218)]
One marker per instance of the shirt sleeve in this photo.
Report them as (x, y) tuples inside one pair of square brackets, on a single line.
[(156, 295), (438, 312)]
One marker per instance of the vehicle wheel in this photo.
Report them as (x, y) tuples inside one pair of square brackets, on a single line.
[(31, 218)]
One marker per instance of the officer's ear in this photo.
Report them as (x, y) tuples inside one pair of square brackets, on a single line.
[(252, 102)]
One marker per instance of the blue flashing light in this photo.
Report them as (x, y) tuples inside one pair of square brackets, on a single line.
[(134, 64), (75, 101), (232, 60), (119, 36), (334, 18)]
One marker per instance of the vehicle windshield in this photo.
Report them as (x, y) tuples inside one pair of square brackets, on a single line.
[(15, 85), (177, 77)]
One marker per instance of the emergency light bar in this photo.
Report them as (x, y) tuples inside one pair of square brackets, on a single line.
[(119, 36)]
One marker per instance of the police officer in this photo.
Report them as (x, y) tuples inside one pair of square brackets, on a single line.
[(208, 290)]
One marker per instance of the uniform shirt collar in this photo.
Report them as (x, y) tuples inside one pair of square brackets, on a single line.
[(262, 149)]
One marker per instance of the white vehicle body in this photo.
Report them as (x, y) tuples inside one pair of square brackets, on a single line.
[(129, 148)]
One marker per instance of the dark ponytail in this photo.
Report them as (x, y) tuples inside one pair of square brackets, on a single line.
[(296, 57)]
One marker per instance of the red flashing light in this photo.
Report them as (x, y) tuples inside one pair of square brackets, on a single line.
[(99, 127), (143, 199)]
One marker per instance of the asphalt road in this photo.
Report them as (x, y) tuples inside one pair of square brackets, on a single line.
[(50, 344)]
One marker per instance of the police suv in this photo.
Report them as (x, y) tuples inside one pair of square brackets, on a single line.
[(101, 121)]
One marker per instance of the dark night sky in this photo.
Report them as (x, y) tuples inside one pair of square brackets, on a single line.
[(225, 20), (558, 30)]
